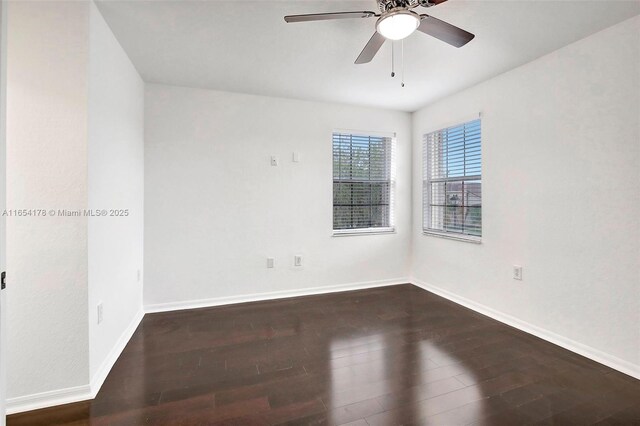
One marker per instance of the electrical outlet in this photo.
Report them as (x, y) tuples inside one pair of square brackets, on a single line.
[(517, 272), (100, 317), (274, 160), (297, 260), (270, 262), (138, 275)]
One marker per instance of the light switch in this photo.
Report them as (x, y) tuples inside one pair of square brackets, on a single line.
[(296, 157), (270, 262)]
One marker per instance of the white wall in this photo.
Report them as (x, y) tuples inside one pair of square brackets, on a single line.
[(48, 339), (75, 141), (116, 177), (561, 149), (215, 208)]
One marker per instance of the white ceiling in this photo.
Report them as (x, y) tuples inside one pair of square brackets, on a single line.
[(246, 47)]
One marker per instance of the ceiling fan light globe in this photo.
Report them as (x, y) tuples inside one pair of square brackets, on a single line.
[(398, 25)]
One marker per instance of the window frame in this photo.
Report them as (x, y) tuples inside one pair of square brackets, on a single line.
[(391, 229), (427, 191)]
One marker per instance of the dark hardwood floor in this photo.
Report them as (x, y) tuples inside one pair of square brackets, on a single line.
[(387, 356)]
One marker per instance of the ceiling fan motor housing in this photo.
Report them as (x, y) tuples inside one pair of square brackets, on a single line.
[(388, 5)]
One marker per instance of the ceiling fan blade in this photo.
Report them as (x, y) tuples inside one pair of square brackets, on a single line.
[(327, 16), (373, 45), (444, 31)]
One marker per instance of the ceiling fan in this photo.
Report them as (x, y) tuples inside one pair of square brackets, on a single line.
[(396, 21)]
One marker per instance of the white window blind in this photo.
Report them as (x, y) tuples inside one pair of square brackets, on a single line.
[(362, 182), (452, 180)]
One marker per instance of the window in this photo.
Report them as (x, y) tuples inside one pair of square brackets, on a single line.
[(452, 181), (363, 183)]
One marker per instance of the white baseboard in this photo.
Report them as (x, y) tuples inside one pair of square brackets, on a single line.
[(48, 399), (218, 301), (106, 366), (77, 393), (564, 342)]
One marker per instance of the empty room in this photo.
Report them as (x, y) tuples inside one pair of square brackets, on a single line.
[(320, 212)]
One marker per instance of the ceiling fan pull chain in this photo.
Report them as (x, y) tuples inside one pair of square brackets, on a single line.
[(393, 73), (402, 62)]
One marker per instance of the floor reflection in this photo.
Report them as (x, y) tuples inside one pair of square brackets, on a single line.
[(396, 378)]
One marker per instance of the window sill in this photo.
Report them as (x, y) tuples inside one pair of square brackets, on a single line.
[(457, 237), (363, 231)]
